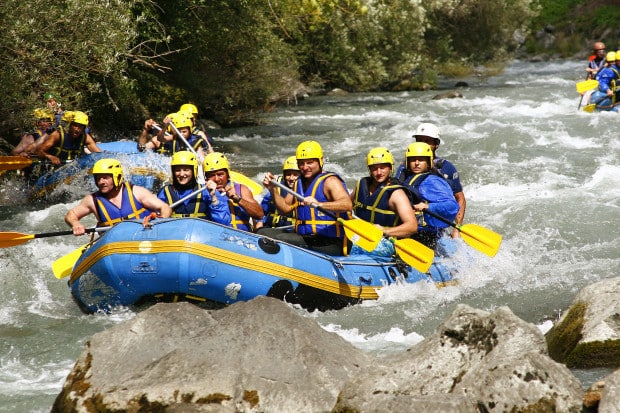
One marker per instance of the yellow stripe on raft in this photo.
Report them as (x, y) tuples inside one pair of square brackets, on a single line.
[(225, 257)]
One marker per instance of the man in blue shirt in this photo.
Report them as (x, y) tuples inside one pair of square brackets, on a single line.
[(608, 78), (429, 134)]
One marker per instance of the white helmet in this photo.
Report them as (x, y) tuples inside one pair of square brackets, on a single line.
[(428, 129)]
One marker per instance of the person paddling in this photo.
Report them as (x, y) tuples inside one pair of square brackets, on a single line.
[(60, 146), (115, 200), (383, 201), (273, 217), (604, 97), (430, 192), (596, 62), (429, 133), (314, 229), (209, 204), (241, 203), (191, 111)]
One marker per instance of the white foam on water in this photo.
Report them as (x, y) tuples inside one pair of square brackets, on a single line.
[(394, 339)]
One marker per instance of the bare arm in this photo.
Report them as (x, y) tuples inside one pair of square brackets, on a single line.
[(250, 205), (46, 145), (399, 203), (22, 148), (90, 143), (75, 214), (204, 136), (460, 199), (284, 204), (339, 199)]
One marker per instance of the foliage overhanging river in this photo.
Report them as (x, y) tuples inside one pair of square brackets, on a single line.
[(534, 169)]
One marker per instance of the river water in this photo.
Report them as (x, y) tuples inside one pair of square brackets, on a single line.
[(536, 170)]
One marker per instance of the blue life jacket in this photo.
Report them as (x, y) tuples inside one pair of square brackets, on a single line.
[(273, 217), (374, 207), (66, 148), (109, 214), (309, 219)]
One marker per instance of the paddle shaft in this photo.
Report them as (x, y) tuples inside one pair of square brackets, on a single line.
[(67, 232), (442, 219), (301, 198)]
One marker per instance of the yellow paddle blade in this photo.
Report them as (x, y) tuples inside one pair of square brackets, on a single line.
[(11, 163), (254, 186), (586, 85), (362, 233), (589, 108), (414, 253), (63, 266), (481, 238), (11, 239)]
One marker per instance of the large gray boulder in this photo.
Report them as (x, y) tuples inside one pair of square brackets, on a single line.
[(475, 362), (609, 391), (588, 334), (254, 356)]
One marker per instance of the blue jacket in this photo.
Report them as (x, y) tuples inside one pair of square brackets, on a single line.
[(109, 214), (434, 190), (607, 78)]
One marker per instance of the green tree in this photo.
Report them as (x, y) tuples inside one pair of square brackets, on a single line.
[(82, 50)]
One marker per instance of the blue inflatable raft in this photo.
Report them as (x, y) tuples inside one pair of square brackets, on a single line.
[(147, 169), (189, 258)]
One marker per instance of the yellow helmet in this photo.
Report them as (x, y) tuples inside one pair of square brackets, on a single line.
[(109, 166), (378, 156), (80, 117), (180, 120), (172, 117), (419, 149), (184, 158), (187, 114), (611, 57), (309, 150), (214, 162), (189, 107), (290, 164), (43, 114)]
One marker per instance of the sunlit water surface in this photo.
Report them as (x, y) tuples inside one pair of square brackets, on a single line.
[(534, 169)]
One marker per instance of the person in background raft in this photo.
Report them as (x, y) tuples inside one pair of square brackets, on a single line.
[(314, 229), (243, 207), (429, 134), (608, 81), (43, 124), (167, 141), (379, 200), (54, 107), (273, 217), (60, 146), (208, 204), (115, 200), (430, 191), (191, 111), (596, 62)]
